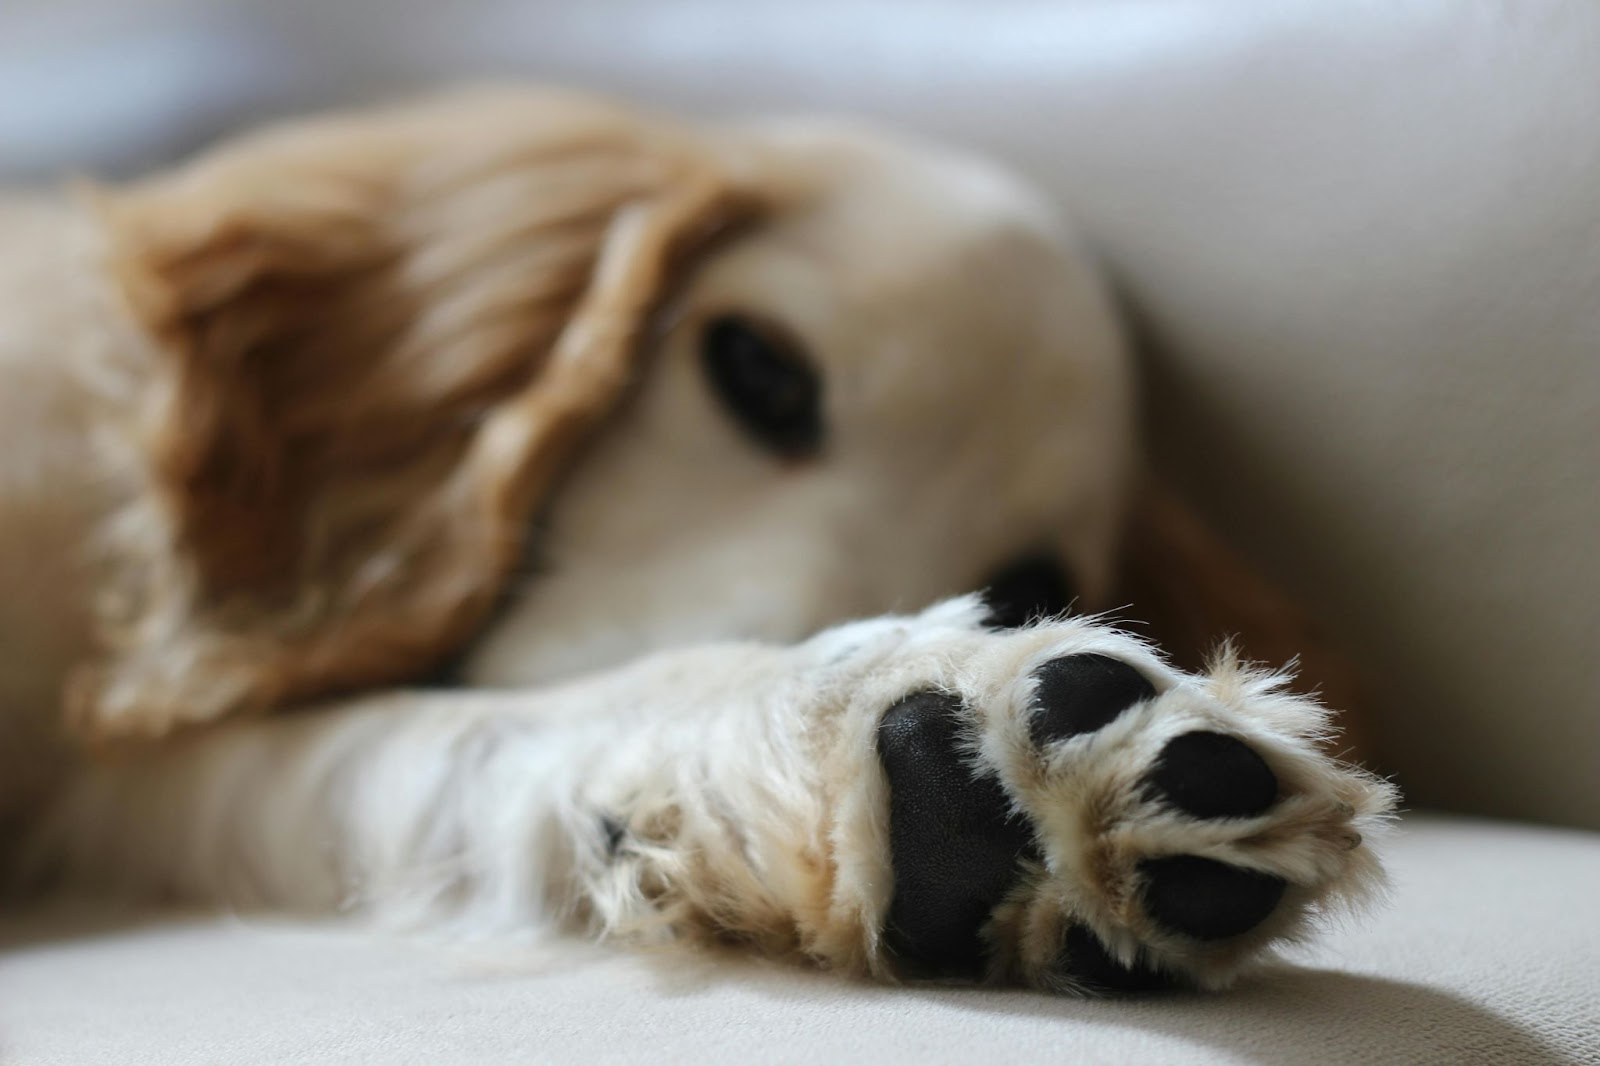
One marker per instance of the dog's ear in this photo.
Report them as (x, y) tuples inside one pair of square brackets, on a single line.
[(374, 341), (1190, 592)]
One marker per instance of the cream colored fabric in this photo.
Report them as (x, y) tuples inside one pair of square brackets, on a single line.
[(1489, 953)]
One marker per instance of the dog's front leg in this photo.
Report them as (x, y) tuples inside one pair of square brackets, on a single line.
[(1052, 805), (682, 794)]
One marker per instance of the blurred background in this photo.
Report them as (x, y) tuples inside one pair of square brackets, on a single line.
[(1361, 242)]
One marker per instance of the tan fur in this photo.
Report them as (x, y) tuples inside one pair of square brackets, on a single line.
[(378, 339)]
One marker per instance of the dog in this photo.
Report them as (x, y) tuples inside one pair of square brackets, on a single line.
[(518, 510)]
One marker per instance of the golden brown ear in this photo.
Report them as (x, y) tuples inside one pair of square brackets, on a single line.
[(376, 340), (1193, 592)]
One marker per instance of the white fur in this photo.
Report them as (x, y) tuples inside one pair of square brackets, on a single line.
[(745, 785)]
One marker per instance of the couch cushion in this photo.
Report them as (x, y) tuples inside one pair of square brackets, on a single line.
[(1488, 952)]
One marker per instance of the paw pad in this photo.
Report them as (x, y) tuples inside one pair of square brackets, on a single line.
[(953, 840), (1205, 899), (960, 848), (1079, 694), (1212, 775), (1085, 960)]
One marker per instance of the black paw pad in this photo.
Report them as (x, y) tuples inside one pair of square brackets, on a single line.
[(1031, 588), (1081, 693), (1213, 775), (1091, 966), (1205, 899), (953, 841)]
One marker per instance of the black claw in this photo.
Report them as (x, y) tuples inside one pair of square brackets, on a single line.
[(1205, 899), (953, 841), (1082, 693), (1213, 775), (1085, 959)]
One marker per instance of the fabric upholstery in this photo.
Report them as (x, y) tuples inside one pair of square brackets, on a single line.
[(1488, 953)]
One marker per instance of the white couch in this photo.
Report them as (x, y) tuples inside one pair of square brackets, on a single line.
[(1488, 953), (1363, 241)]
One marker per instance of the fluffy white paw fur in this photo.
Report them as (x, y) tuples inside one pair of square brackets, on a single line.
[(905, 797)]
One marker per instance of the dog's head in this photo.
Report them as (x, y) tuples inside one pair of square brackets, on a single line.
[(578, 383), (893, 383)]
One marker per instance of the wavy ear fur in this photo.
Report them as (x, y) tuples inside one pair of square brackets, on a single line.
[(1194, 594), (376, 339)]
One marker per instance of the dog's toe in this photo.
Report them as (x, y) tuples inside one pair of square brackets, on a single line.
[(1084, 693), (1206, 899), (1213, 775), (1204, 774), (1210, 775)]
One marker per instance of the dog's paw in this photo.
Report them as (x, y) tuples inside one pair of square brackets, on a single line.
[(1065, 810)]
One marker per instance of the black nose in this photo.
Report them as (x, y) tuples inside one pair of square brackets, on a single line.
[(1029, 588)]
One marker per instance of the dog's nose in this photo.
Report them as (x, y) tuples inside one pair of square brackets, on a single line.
[(1032, 587)]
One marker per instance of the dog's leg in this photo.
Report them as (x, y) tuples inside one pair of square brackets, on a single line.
[(903, 796)]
